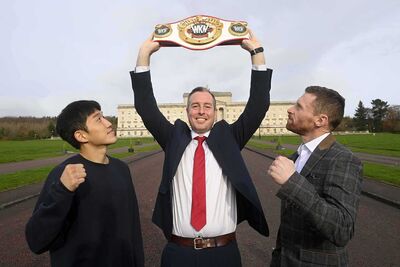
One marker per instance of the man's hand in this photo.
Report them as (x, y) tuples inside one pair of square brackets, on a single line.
[(281, 169), (146, 50), (250, 45), (72, 176)]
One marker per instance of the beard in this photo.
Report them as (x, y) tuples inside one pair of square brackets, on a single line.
[(296, 129)]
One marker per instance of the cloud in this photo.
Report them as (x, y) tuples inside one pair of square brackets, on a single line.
[(364, 67), (54, 53)]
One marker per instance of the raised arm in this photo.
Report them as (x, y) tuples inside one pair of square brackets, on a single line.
[(259, 100), (145, 102)]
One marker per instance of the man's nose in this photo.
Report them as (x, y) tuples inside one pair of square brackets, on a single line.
[(106, 122), (201, 110)]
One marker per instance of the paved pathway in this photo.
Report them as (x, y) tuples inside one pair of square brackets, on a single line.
[(376, 241), (378, 190), (362, 156), (14, 196), (37, 163)]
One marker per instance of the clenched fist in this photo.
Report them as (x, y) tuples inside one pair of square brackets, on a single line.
[(72, 176), (281, 169)]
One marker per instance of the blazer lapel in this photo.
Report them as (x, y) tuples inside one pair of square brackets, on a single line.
[(294, 156), (317, 155), (178, 146), (173, 154)]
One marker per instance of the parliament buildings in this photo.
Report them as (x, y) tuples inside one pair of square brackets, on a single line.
[(130, 124)]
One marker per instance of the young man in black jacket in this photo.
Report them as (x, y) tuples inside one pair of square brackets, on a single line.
[(87, 212)]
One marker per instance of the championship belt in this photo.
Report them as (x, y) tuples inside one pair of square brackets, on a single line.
[(201, 32)]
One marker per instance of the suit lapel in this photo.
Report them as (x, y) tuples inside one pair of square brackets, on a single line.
[(176, 147), (294, 156), (179, 144), (317, 155)]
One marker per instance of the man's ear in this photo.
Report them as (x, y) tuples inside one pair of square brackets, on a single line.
[(322, 121), (81, 136)]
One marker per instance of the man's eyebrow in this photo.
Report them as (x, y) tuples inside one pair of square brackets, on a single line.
[(97, 114), (299, 104), (204, 103)]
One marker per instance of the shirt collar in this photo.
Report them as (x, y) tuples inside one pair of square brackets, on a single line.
[(194, 134), (312, 145)]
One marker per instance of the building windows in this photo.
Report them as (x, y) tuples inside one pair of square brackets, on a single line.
[(272, 123)]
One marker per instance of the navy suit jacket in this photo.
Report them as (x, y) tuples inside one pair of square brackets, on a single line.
[(225, 142)]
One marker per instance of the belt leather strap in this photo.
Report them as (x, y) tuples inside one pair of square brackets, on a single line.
[(204, 242)]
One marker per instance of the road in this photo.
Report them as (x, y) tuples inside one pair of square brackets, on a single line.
[(376, 241), (374, 158), (37, 163)]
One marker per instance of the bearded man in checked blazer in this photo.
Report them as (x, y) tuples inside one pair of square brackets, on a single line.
[(320, 186)]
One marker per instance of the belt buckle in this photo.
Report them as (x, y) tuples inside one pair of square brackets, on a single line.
[(199, 238)]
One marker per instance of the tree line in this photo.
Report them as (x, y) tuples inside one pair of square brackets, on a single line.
[(29, 128), (380, 117)]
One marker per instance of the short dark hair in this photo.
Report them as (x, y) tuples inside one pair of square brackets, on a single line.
[(73, 117), (329, 102), (201, 89)]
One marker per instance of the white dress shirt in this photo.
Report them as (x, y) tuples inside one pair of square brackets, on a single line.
[(140, 69), (221, 210), (305, 151)]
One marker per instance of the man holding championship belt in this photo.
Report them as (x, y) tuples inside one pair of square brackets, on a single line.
[(205, 189)]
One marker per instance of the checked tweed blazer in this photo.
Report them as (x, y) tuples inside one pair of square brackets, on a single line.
[(319, 208), (225, 142)]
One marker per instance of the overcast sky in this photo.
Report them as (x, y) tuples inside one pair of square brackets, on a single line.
[(55, 52)]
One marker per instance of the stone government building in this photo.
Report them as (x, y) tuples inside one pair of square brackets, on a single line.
[(130, 124)]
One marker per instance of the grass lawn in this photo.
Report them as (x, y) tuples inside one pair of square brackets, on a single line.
[(381, 143), (379, 172), (137, 150), (386, 144), (285, 139), (131, 141), (284, 152), (16, 179), (14, 151), (383, 173)]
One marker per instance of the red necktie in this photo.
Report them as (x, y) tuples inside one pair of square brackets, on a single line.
[(198, 216)]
